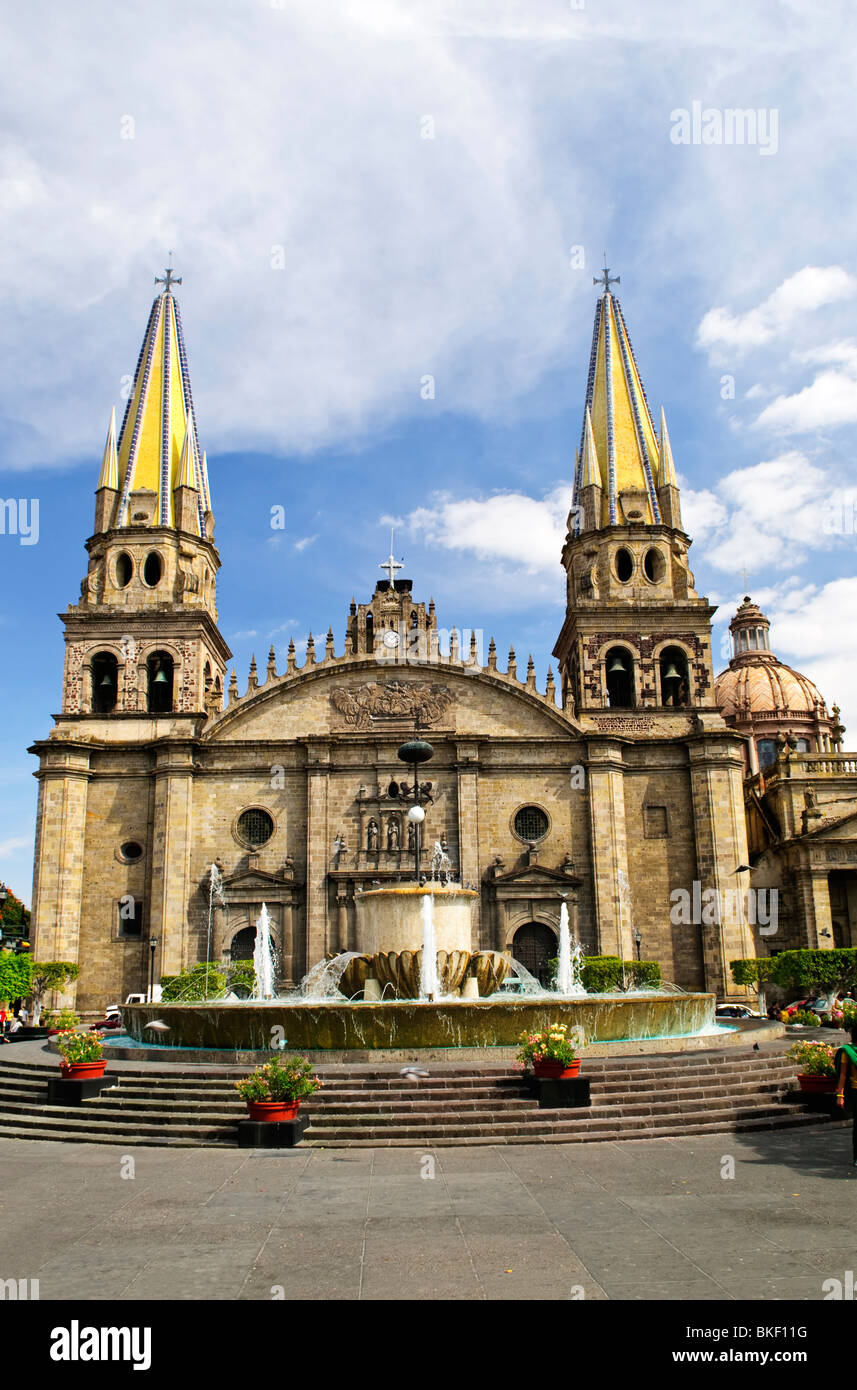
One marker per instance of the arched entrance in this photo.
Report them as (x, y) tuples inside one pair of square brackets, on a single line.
[(242, 944), (534, 945)]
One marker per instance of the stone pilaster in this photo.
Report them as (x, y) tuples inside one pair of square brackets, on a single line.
[(59, 852), (814, 889), (318, 842), (611, 888), (467, 769), (171, 889), (716, 779)]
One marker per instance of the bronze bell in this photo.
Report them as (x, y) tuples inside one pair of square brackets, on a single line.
[(617, 667), (672, 673)]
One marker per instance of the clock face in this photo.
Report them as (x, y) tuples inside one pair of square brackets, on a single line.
[(391, 639)]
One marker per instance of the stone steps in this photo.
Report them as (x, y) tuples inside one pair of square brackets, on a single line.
[(648, 1097)]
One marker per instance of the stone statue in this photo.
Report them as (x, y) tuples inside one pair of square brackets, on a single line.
[(372, 837), (411, 833), (809, 800), (392, 834)]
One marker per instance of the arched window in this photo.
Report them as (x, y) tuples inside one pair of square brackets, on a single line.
[(160, 669), (105, 682), (619, 669), (370, 634), (803, 746), (767, 750), (675, 685)]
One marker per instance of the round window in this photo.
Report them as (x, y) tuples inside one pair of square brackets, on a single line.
[(124, 570), (131, 851), (153, 569), (653, 566), (255, 826), (624, 565), (531, 823)]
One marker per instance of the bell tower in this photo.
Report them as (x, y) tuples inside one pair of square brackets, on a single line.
[(143, 636), (637, 636)]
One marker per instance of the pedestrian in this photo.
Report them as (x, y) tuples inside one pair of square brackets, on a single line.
[(846, 1060)]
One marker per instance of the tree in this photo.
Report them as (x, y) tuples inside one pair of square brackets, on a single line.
[(15, 976), (14, 916), (50, 974), (754, 971), (826, 972)]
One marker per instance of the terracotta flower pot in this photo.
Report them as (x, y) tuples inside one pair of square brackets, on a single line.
[(82, 1071), (272, 1109), (556, 1071), (817, 1084)]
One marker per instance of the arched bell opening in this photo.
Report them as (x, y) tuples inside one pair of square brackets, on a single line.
[(160, 671), (105, 682), (619, 675), (675, 681)]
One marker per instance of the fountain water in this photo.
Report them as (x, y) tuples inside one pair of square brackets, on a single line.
[(263, 958), (568, 980), (429, 984)]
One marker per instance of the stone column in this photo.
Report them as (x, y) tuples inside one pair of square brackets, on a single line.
[(814, 889), (59, 852), (608, 836), (716, 779), (340, 943), (287, 966), (172, 838), (319, 840), (467, 768)]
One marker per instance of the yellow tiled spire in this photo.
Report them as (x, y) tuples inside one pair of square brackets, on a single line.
[(624, 443), (187, 463), (109, 475), (590, 473), (666, 466), (159, 417)]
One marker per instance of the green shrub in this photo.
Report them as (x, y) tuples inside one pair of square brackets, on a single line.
[(806, 1017), (602, 974), (241, 979), (198, 983), (753, 971)]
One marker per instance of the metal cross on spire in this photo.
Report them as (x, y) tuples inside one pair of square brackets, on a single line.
[(605, 278), (391, 564), (168, 279)]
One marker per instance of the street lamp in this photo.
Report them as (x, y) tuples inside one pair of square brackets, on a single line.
[(153, 946), (415, 752), (3, 896)]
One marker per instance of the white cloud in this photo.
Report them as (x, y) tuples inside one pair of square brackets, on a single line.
[(830, 400), (304, 542), (808, 289), (522, 531), (14, 843)]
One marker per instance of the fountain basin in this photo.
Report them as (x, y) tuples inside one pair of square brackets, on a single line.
[(416, 1024), (389, 918)]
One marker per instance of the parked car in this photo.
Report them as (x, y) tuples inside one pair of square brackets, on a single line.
[(735, 1011)]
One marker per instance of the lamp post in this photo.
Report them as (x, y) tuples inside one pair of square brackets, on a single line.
[(638, 942), (415, 752), (3, 896), (153, 946)]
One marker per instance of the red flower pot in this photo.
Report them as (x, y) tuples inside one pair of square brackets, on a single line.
[(82, 1071), (817, 1084), (556, 1071), (272, 1109)]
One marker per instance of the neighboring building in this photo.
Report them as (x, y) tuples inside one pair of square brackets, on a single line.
[(626, 791), (800, 791)]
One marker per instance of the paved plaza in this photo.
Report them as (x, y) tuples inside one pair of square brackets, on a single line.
[(648, 1219)]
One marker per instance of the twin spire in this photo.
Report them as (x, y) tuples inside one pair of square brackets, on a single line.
[(158, 445), (620, 452)]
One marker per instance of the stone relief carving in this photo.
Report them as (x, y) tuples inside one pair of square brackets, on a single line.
[(363, 706)]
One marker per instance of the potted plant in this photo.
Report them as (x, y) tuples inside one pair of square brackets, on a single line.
[(816, 1066), (274, 1091), (81, 1054), (550, 1053)]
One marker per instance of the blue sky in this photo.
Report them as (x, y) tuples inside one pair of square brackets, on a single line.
[(361, 195)]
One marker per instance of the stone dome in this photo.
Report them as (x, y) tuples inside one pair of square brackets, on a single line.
[(758, 683)]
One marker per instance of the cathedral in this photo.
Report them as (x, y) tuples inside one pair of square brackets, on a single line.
[(631, 778)]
